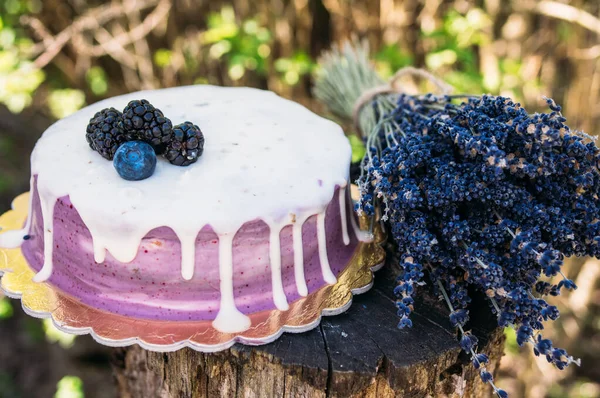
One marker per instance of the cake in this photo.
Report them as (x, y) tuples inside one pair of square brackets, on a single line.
[(262, 219)]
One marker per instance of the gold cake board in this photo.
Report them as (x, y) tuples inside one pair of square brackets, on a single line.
[(41, 300)]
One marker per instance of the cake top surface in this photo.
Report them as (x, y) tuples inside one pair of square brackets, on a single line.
[(265, 158)]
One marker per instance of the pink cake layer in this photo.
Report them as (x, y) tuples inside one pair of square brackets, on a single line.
[(151, 286)]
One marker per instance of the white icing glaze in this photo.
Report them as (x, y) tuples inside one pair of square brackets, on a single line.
[(47, 205), (299, 256), (265, 157), (275, 258), (188, 253), (328, 275), (99, 249), (342, 201), (229, 319)]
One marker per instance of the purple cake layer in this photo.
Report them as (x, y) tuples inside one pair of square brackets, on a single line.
[(151, 286)]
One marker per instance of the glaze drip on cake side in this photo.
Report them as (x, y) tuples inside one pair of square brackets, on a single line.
[(266, 159)]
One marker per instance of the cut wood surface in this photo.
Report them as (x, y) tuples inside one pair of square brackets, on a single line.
[(360, 353)]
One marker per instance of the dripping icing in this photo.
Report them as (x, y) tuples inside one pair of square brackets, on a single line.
[(229, 319), (188, 253), (99, 250), (328, 276), (342, 199), (48, 202), (275, 259), (299, 257)]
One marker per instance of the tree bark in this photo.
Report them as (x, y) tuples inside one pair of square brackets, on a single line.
[(357, 354)]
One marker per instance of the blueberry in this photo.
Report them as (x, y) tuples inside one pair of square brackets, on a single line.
[(135, 160)]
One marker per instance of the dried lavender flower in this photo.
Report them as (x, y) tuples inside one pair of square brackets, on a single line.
[(477, 194)]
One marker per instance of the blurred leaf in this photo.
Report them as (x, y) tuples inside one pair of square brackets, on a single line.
[(6, 182), (469, 29), (264, 50), (8, 61), (438, 59), (69, 387), (8, 387), (18, 81), (511, 341), (34, 329), (12, 6), (97, 80), (53, 335), (7, 37), (293, 68), (34, 6), (464, 82), (220, 26), (565, 30), (250, 27), (510, 66), (283, 64), (391, 58), (242, 47), (236, 71), (219, 49), (64, 102), (162, 57), (6, 309), (453, 55), (19, 78), (7, 147), (358, 148)]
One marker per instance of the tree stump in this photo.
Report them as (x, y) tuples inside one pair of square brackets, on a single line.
[(360, 353)]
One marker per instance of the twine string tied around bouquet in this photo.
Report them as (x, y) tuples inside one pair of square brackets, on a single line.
[(393, 86)]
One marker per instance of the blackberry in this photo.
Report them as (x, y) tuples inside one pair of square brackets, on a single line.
[(142, 121), (186, 146), (104, 133)]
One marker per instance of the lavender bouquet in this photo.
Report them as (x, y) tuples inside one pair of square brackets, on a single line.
[(477, 193)]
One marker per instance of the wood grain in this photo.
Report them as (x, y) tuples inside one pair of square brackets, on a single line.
[(357, 354)]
